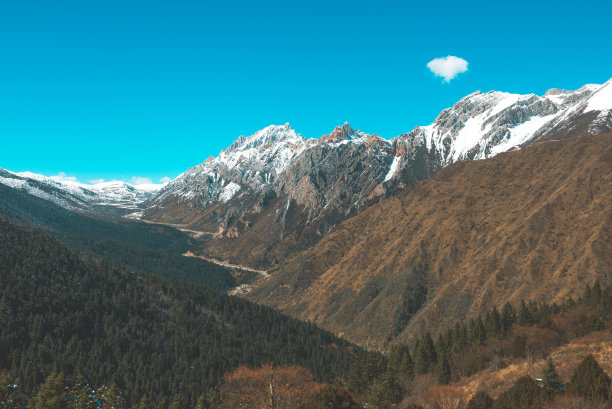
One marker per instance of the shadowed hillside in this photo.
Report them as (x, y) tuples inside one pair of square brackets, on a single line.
[(533, 224)]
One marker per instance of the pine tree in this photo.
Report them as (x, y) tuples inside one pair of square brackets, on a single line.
[(590, 381), (200, 404), (551, 379), (145, 403), (178, 402), (444, 370), (508, 316), (400, 362), (524, 394), (524, 315), (425, 355), (162, 404), (52, 393), (377, 398)]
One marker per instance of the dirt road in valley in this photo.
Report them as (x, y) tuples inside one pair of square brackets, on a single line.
[(262, 273)]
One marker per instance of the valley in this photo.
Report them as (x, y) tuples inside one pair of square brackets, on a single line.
[(429, 270)]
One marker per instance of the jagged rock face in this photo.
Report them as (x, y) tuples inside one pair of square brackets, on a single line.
[(248, 164), (336, 173), (330, 178), (533, 224)]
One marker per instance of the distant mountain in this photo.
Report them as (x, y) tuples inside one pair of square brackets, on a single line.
[(108, 198), (275, 192), (140, 246), (533, 224)]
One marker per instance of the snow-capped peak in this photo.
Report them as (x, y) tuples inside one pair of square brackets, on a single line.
[(601, 100), (343, 134), (266, 138)]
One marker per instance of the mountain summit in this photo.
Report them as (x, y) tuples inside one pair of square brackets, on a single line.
[(271, 194), (290, 191)]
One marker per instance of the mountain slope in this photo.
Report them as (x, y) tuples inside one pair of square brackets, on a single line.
[(107, 198), (64, 311), (141, 246), (275, 193), (533, 223)]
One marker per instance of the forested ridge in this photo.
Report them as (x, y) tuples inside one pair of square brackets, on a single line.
[(65, 312), (152, 248), (76, 326)]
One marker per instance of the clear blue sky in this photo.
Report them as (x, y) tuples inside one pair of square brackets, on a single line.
[(116, 89)]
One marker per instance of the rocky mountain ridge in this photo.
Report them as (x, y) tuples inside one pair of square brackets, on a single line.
[(276, 192), (532, 224), (301, 188)]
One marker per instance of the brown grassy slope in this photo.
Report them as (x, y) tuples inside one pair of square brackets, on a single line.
[(534, 223), (566, 358)]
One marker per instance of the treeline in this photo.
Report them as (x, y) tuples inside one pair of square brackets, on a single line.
[(589, 387), (65, 312), (293, 387), (485, 341), (140, 246)]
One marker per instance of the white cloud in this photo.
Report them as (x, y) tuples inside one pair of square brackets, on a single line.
[(448, 67), (96, 181), (62, 177), (165, 179), (139, 180)]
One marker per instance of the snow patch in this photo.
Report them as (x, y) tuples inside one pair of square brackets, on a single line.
[(522, 133), (228, 191), (393, 168), (601, 99)]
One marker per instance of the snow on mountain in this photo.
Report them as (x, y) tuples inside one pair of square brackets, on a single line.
[(601, 99), (346, 170), (482, 125), (250, 162), (343, 171), (116, 196)]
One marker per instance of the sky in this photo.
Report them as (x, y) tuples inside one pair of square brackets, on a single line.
[(142, 90)]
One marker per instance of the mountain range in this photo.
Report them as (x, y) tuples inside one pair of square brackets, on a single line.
[(532, 224), (272, 194), (379, 239)]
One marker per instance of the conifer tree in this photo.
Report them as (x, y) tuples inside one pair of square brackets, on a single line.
[(146, 404), (551, 379), (425, 355), (524, 315), (162, 404), (400, 362), (377, 398), (178, 402), (51, 394), (444, 370), (590, 381), (508, 316), (524, 394)]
